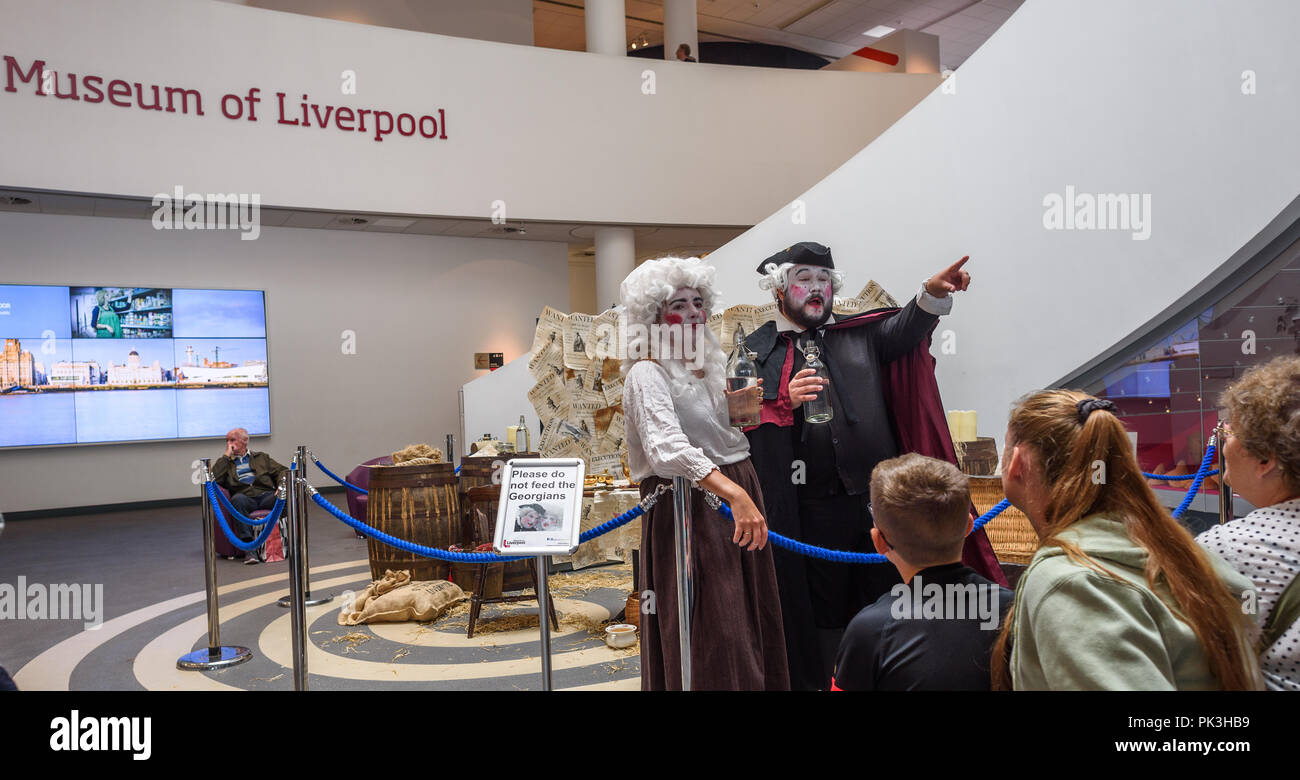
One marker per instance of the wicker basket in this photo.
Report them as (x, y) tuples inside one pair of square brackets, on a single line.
[(1013, 538)]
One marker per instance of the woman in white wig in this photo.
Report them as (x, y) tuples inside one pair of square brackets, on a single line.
[(675, 409)]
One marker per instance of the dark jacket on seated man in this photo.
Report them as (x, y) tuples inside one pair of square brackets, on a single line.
[(266, 474)]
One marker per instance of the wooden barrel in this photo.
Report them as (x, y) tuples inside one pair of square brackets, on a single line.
[(979, 457), (418, 504), (475, 472)]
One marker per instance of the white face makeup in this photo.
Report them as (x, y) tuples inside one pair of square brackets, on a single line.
[(809, 296), (685, 307)]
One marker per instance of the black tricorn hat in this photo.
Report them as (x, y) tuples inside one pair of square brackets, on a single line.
[(802, 253)]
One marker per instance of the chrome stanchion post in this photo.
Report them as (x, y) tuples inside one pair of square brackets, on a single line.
[(1225, 490), (300, 460), (294, 549), (544, 618), (682, 518), (214, 656), (306, 548)]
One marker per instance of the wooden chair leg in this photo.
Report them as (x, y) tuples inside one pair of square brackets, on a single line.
[(476, 600), (550, 604)]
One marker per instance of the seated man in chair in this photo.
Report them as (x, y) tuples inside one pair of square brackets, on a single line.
[(251, 479)]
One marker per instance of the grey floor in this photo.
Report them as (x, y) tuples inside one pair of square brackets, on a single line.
[(149, 556)]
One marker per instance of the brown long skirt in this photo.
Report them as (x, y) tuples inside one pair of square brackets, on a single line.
[(737, 642)]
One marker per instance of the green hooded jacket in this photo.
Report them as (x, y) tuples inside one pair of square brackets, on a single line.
[(1078, 629)]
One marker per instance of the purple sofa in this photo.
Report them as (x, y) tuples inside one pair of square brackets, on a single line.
[(360, 476), (221, 544)]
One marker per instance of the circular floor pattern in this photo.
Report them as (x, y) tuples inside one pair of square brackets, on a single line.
[(138, 650)]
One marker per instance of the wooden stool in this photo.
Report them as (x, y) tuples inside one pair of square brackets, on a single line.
[(515, 575)]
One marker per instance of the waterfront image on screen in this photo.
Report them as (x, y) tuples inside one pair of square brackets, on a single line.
[(85, 364)]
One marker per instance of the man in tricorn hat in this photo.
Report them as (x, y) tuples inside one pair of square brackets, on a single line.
[(816, 476)]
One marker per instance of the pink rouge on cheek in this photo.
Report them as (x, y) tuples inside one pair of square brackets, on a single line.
[(673, 319)]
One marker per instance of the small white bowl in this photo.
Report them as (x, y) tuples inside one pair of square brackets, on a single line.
[(620, 635)]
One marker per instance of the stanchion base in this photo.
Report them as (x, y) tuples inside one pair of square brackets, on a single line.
[(310, 601), (214, 658)]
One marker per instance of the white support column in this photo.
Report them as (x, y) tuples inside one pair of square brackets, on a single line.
[(606, 27), (615, 259), (681, 26)]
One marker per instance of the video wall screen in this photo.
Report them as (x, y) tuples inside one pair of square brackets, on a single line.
[(87, 365)]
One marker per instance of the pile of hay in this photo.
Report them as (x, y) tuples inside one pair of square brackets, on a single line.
[(417, 454)]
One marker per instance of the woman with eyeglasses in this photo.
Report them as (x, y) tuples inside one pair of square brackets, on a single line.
[(1261, 451), (1118, 595)]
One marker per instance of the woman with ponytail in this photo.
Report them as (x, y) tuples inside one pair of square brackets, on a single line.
[(1118, 596)]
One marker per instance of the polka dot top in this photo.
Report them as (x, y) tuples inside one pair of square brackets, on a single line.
[(1265, 546)]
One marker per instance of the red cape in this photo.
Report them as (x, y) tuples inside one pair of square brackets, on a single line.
[(920, 425)]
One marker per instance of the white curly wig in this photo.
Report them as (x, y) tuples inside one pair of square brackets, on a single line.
[(645, 291), (642, 298), (777, 278)]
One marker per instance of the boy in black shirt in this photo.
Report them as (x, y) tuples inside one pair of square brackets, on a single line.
[(936, 630)]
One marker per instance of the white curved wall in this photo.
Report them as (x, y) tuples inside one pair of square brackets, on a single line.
[(1104, 95), (556, 135)]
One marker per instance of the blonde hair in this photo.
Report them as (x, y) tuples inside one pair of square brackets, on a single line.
[(922, 506)]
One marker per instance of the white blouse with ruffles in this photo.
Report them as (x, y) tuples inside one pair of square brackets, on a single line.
[(683, 436)]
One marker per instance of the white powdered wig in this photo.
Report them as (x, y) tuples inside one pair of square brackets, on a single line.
[(642, 298), (777, 277)]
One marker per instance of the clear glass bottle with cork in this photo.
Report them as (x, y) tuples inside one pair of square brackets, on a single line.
[(817, 410)]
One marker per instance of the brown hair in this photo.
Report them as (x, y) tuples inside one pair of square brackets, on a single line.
[(1264, 407), (1064, 450), (921, 505)]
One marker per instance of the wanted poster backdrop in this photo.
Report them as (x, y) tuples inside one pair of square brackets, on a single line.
[(540, 509), (578, 394)]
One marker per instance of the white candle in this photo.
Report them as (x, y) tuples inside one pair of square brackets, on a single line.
[(954, 424)]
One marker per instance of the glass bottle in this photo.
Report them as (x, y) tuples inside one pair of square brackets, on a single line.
[(528, 439), (743, 401), (817, 410)]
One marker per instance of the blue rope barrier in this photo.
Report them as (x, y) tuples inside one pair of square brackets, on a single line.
[(450, 555), (254, 521), (339, 479), (843, 556), (234, 540), (993, 512), (411, 547), (793, 545), (1201, 474), (1177, 477), (610, 525), (347, 484)]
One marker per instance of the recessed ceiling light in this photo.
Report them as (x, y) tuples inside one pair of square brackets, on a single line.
[(879, 31)]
